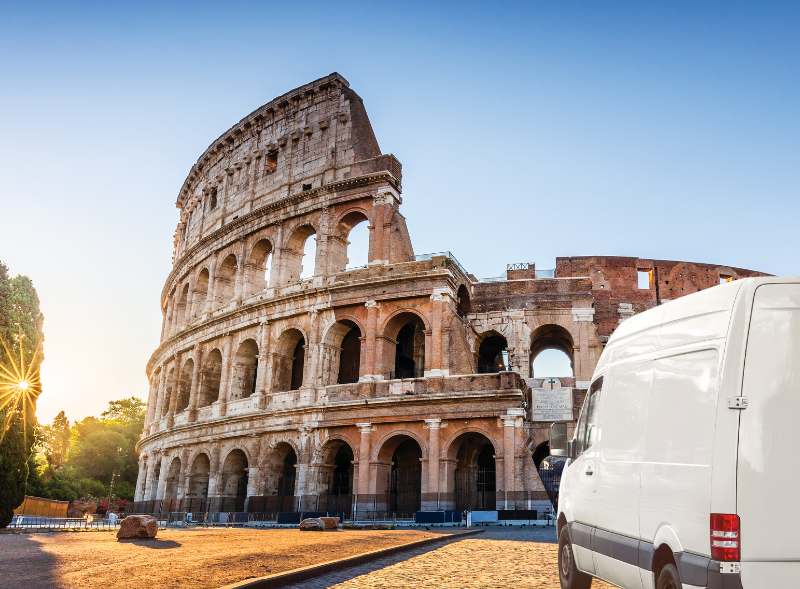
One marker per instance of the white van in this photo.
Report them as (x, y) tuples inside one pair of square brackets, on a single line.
[(684, 469)]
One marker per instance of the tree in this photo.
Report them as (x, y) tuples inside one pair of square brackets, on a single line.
[(20, 358), (53, 441)]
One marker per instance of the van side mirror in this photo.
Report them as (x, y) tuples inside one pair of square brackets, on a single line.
[(558, 440)]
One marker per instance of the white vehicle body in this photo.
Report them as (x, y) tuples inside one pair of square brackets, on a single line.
[(663, 442)]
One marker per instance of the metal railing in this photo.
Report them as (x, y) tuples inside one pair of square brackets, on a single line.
[(446, 254)]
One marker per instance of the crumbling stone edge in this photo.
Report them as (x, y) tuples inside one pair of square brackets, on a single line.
[(304, 573)]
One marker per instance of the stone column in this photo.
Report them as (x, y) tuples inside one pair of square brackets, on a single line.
[(370, 369), (439, 300), (225, 376), (511, 422), (194, 392), (140, 478), (162, 476), (176, 385), (162, 385), (241, 272), (214, 472), (584, 321), (365, 429), (432, 501), (149, 488), (212, 283), (264, 365), (152, 400)]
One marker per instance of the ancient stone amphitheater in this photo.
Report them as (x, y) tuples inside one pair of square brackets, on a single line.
[(290, 381)]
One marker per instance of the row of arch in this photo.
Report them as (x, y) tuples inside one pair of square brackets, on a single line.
[(263, 265), (551, 355), (398, 467), (343, 347)]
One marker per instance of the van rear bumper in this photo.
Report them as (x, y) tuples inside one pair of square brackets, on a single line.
[(756, 575)]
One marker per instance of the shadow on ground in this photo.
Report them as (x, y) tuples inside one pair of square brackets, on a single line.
[(24, 563), (152, 543)]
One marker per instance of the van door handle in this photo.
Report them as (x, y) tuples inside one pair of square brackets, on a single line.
[(588, 472)]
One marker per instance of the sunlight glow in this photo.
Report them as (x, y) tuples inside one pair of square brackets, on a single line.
[(19, 386)]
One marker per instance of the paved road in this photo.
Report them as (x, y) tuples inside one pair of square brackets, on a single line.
[(516, 558)]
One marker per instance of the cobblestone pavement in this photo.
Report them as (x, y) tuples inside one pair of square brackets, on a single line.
[(499, 558)]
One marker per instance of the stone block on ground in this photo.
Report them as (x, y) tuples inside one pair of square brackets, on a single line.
[(312, 524), (330, 523), (137, 526)]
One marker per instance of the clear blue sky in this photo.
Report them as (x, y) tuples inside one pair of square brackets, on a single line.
[(526, 131)]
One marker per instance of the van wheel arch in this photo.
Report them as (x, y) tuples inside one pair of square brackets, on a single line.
[(661, 558), (562, 521)]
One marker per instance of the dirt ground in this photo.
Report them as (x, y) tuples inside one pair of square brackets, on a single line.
[(205, 557)]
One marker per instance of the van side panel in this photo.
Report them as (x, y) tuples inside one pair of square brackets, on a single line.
[(676, 473), (623, 412), (769, 440)]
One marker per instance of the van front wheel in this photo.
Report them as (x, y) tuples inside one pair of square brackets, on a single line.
[(668, 578), (568, 573)]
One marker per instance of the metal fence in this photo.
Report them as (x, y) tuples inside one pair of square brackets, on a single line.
[(32, 522)]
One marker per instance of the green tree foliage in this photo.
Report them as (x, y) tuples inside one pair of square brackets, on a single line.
[(99, 451), (21, 335)]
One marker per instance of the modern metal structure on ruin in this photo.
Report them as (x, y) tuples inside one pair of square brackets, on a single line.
[(288, 380)]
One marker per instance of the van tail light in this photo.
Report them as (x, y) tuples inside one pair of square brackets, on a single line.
[(725, 537)]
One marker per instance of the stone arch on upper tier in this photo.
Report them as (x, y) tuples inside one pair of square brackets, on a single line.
[(404, 345), (492, 353), (297, 249), (342, 353), (184, 385), (210, 378), (225, 281), (552, 336), (200, 293), (341, 255), (289, 367), (258, 267), (245, 370)]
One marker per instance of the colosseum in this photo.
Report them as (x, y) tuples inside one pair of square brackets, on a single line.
[(288, 381)]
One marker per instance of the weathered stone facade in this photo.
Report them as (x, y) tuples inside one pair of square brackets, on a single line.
[(398, 385)]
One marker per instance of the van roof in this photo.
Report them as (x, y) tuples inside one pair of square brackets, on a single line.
[(703, 315)]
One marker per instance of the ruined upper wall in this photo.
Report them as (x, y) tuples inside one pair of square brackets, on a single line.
[(303, 140)]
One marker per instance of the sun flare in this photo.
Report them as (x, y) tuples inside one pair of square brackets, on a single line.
[(19, 385)]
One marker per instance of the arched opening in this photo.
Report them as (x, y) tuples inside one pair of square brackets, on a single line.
[(212, 199), (198, 478), (336, 476), (492, 354), (463, 303), (474, 475), (234, 481), (299, 255), (350, 247), (245, 370), (182, 309), (401, 458), (169, 390), (289, 361), (156, 476), (552, 352), (225, 281), (210, 378), (259, 266), (172, 483), (408, 332), (342, 362), (200, 295), (185, 385)]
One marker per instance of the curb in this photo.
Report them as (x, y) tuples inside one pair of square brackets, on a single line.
[(296, 575)]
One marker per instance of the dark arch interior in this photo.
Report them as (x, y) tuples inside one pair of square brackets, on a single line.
[(463, 304), (342, 477), (490, 354), (475, 475), (298, 364), (350, 356), (405, 478), (409, 360), (287, 474)]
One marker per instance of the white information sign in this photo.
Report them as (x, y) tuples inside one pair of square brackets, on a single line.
[(552, 404)]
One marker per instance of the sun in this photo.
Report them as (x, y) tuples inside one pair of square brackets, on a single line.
[(19, 385), (23, 385)]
